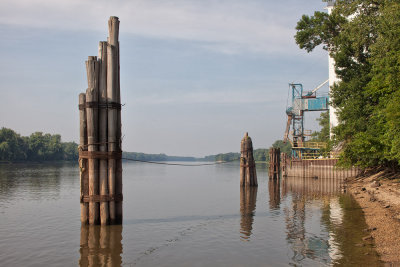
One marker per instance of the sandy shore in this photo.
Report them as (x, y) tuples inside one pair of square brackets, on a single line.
[(379, 197)]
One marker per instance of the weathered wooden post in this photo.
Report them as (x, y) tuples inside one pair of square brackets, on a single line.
[(274, 163), (100, 133), (103, 168), (92, 97), (248, 175), (83, 166)]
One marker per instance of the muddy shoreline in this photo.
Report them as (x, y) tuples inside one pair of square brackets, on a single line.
[(379, 197)]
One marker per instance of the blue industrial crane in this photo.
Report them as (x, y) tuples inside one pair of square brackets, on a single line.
[(302, 102)]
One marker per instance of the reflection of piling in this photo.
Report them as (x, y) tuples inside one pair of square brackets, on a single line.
[(100, 246), (248, 198), (100, 145), (284, 163), (274, 193), (248, 175), (274, 162)]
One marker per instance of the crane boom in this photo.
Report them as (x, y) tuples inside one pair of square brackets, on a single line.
[(317, 88)]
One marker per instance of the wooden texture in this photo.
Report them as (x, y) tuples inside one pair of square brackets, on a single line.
[(248, 174), (103, 163), (92, 95), (83, 174), (112, 75), (274, 163), (101, 150)]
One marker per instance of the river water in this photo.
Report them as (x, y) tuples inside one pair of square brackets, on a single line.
[(180, 216)]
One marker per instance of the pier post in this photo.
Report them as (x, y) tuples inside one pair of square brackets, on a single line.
[(248, 174), (274, 162), (100, 153)]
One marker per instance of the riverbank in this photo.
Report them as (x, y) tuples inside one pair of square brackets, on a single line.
[(379, 197)]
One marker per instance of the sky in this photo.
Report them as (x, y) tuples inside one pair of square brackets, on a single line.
[(195, 75)]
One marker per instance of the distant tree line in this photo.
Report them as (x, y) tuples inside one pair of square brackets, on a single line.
[(47, 147), (36, 147), (260, 154), (155, 157)]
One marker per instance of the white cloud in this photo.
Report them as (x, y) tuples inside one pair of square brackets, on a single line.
[(225, 26)]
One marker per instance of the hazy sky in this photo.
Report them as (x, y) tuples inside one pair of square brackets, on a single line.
[(195, 75)]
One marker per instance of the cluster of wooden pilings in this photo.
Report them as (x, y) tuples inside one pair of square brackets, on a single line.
[(100, 150), (274, 163), (248, 175)]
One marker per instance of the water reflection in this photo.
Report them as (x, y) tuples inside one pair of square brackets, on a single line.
[(248, 198), (35, 181), (101, 245), (339, 239), (274, 189)]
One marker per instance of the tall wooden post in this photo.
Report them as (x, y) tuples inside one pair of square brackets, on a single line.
[(100, 115), (83, 165), (103, 169), (248, 175), (112, 97), (92, 96), (113, 28)]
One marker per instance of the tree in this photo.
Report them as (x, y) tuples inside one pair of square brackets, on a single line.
[(323, 134), (363, 38)]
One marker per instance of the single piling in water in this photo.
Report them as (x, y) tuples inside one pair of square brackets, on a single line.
[(274, 163), (100, 134), (248, 174)]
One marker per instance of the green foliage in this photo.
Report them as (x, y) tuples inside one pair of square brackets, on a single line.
[(36, 147), (284, 147), (363, 37), (323, 134)]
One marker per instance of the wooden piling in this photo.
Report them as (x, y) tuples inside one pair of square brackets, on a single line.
[(83, 165), (92, 96), (100, 118), (248, 174), (113, 28), (274, 163), (103, 168)]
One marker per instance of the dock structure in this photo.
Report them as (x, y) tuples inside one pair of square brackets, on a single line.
[(100, 149), (248, 175), (324, 168)]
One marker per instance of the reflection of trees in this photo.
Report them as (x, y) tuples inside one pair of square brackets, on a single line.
[(35, 180), (345, 222), (342, 222), (101, 245), (248, 198), (274, 193)]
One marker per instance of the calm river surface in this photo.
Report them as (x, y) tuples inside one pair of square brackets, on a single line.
[(180, 216)]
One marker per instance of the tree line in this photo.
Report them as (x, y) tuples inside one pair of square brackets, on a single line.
[(47, 147), (363, 37), (260, 154), (36, 147)]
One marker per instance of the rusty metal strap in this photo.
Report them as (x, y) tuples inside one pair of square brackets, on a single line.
[(100, 155), (97, 105), (101, 198)]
